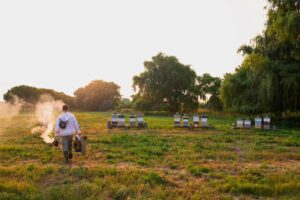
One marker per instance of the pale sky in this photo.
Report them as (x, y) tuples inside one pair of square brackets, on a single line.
[(63, 45)]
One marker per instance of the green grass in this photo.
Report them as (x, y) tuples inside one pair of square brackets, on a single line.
[(157, 163)]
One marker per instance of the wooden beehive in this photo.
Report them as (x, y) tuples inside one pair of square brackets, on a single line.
[(257, 123), (177, 120), (247, 123), (267, 123), (196, 120), (239, 123), (114, 120), (132, 120), (185, 121), (141, 122), (121, 122), (204, 122)]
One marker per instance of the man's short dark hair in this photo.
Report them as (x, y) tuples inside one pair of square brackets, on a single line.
[(65, 107)]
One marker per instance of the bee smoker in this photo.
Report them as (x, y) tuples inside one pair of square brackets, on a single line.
[(80, 144)]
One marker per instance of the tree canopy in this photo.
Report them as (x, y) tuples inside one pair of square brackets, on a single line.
[(98, 96), (166, 84), (268, 80), (209, 89)]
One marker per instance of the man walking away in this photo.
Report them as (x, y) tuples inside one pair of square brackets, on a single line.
[(66, 126)]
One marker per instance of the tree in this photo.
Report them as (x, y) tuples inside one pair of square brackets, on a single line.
[(32, 94), (98, 96), (166, 84), (269, 78), (209, 87), (125, 103)]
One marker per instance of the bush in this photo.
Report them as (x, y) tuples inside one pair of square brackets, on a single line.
[(142, 104)]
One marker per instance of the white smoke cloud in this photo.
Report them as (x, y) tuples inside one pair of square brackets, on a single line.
[(47, 109), (9, 110)]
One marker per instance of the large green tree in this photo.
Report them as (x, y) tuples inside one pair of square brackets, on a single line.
[(268, 80), (166, 84), (98, 96)]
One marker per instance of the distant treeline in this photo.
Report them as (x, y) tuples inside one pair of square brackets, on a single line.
[(32, 94), (268, 80), (170, 87), (96, 96)]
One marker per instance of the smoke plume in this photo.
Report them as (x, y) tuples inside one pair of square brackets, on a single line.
[(8, 110), (47, 109)]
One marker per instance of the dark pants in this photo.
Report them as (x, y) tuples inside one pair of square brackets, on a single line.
[(67, 146)]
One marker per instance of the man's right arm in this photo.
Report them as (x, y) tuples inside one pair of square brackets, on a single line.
[(76, 125)]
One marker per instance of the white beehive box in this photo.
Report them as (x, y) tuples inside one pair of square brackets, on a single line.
[(177, 120), (204, 122), (239, 123), (140, 120), (196, 120), (257, 122), (185, 120), (132, 120), (121, 120), (247, 123), (114, 119), (267, 123)]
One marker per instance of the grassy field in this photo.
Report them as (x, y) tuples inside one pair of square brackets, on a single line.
[(157, 163)]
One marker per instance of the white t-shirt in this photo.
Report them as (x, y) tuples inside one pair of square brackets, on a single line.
[(72, 125)]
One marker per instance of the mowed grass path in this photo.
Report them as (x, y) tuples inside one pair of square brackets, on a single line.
[(157, 163)]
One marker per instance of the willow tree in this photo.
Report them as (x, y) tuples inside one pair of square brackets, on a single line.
[(268, 80), (166, 84)]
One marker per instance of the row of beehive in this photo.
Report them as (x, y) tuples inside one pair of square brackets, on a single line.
[(259, 123), (118, 120), (185, 121)]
